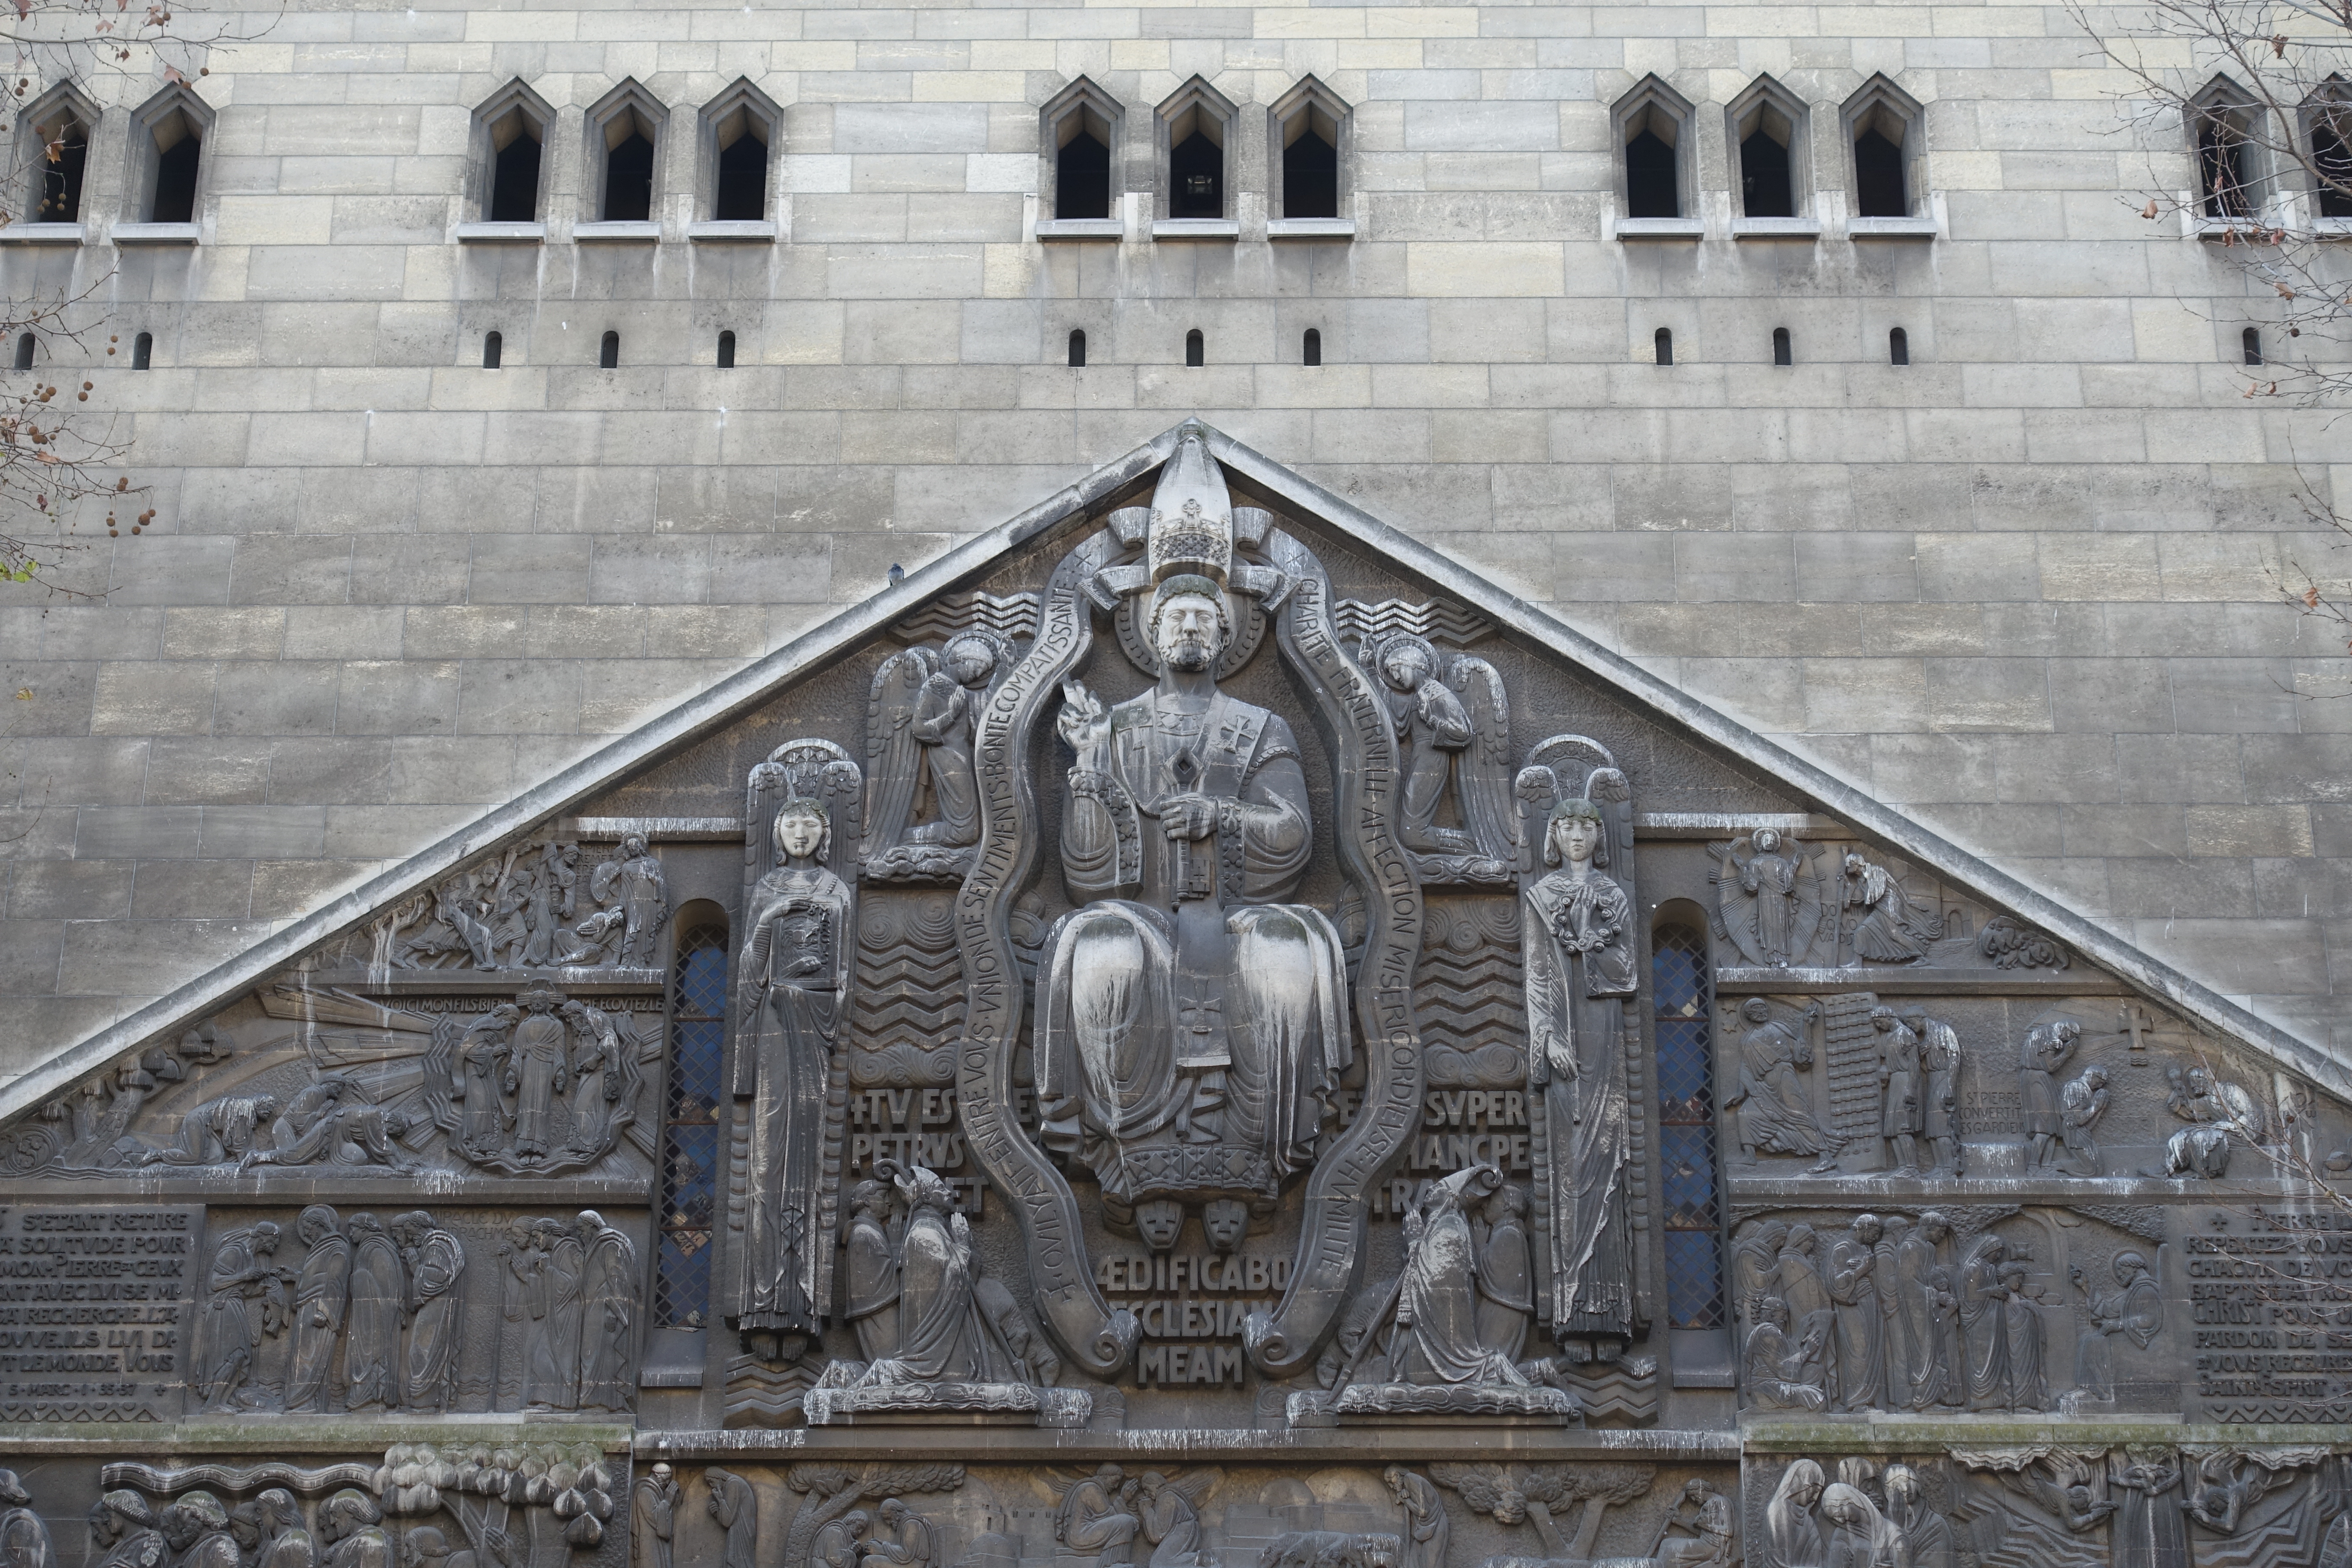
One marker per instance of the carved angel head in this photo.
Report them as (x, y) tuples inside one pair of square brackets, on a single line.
[(804, 830), (1573, 833)]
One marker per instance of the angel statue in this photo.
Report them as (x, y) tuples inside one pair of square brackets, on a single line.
[(1453, 728), (1769, 898), (922, 797), (1891, 927), (795, 975), (1578, 920)]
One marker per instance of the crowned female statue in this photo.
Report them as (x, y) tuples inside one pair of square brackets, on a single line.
[(795, 973), (1192, 1024)]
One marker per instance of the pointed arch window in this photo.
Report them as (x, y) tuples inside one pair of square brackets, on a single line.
[(1768, 144), (1195, 133), (2225, 124), (510, 137), (1079, 132), (624, 128), (1885, 131), (1683, 999), (55, 129), (690, 1131), (1655, 148), (737, 146), (1306, 134), (167, 140), (2327, 127)]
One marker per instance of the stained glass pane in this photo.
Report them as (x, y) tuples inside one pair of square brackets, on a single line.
[(1694, 1279), (1686, 1156), (1685, 1092), (1679, 978), (702, 972), (694, 1066), (689, 1174), (682, 1289)]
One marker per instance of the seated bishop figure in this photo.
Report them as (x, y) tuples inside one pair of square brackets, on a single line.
[(1191, 1024)]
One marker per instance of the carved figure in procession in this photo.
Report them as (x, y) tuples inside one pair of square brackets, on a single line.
[(196, 1525), (1168, 1514), (2148, 1529), (1928, 1311), (1772, 1112), (609, 1289), (1089, 1521), (545, 1262), (1453, 730), (1779, 1373), (1795, 1535), (1576, 922), (351, 1526), (1859, 1339), (652, 1515), (2135, 1310), (1768, 898), (1811, 1314), (2045, 1049), (1902, 1088), (922, 802), (1191, 1022), (1435, 1338), (1858, 1535), (2220, 1116), (735, 1508), (285, 1541), (122, 1532), (2081, 1103), (1940, 1065), (24, 1535), (434, 1262), (322, 1294), (247, 1301), (795, 969), (1889, 927), (1925, 1532), (1707, 1543), (379, 1300), (538, 1085), (1426, 1530)]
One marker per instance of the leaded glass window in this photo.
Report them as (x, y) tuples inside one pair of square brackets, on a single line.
[(698, 1042), (1684, 1000)]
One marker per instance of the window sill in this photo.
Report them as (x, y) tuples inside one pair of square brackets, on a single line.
[(1890, 228), (501, 233), (1775, 229), (1310, 228), (625, 232), (2321, 228), (1195, 229), (751, 231), (1053, 228), (2249, 230), (156, 233), (1661, 228), (41, 234)]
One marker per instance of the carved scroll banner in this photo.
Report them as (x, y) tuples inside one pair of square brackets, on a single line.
[(1354, 724), (1098, 1337)]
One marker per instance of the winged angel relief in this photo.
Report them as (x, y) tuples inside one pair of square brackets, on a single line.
[(1453, 728), (1769, 898)]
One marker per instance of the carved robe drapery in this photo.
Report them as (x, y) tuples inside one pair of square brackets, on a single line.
[(379, 1302), (1191, 1027), (1579, 960), (321, 1299), (796, 969), (439, 1263)]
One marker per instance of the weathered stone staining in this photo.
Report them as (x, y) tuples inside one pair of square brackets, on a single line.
[(1165, 996)]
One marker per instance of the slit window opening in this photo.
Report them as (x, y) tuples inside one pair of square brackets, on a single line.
[(726, 350), (608, 354), (1782, 350), (1682, 1022), (690, 1146), (1311, 349), (143, 350), (1664, 340), (1196, 349), (2251, 339), (1077, 351), (1765, 190), (514, 170), (1652, 186), (1878, 176), (1310, 168), (175, 175), (1898, 347), (1082, 172), (493, 349), (740, 194), (24, 351), (628, 174), (64, 154)]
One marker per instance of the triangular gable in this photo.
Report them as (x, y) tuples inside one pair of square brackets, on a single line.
[(1080, 505)]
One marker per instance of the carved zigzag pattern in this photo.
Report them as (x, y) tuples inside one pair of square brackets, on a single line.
[(1434, 619), (910, 989), (1468, 992)]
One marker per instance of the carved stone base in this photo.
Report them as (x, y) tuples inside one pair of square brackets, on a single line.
[(921, 864), (979, 1404), (1464, 870), (1485, 1403)]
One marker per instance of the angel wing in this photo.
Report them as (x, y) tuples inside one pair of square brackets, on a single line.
[(1195, 1485), (1489, 808), (1483, 1487), (894, 760)]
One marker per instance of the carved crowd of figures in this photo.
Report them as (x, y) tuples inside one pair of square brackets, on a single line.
[(381, 1297), (537, 1086), (526, 908), (1867, 1517), (573, 1288)]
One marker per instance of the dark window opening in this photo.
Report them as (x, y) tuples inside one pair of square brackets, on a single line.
[(1764, 186), (65, 151), (24, 351), (143, 350), (176, 181), (2221, 168), (690, 1144), (1311, 350), (1310, 174), (2250, 339), (1898, 347), (743, 192), (1196, 349), (608, 355), (493, 349), (1781, 351), (1196, 170), (1077, 350), (1665, 341), (2332, 159), (1651, 186), (629, 178), (1878, 177), (1082, 177), (726, 350), (514, 174), (1682, 1022)]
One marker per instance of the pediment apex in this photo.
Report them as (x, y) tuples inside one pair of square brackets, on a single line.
[(1261, 480)]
